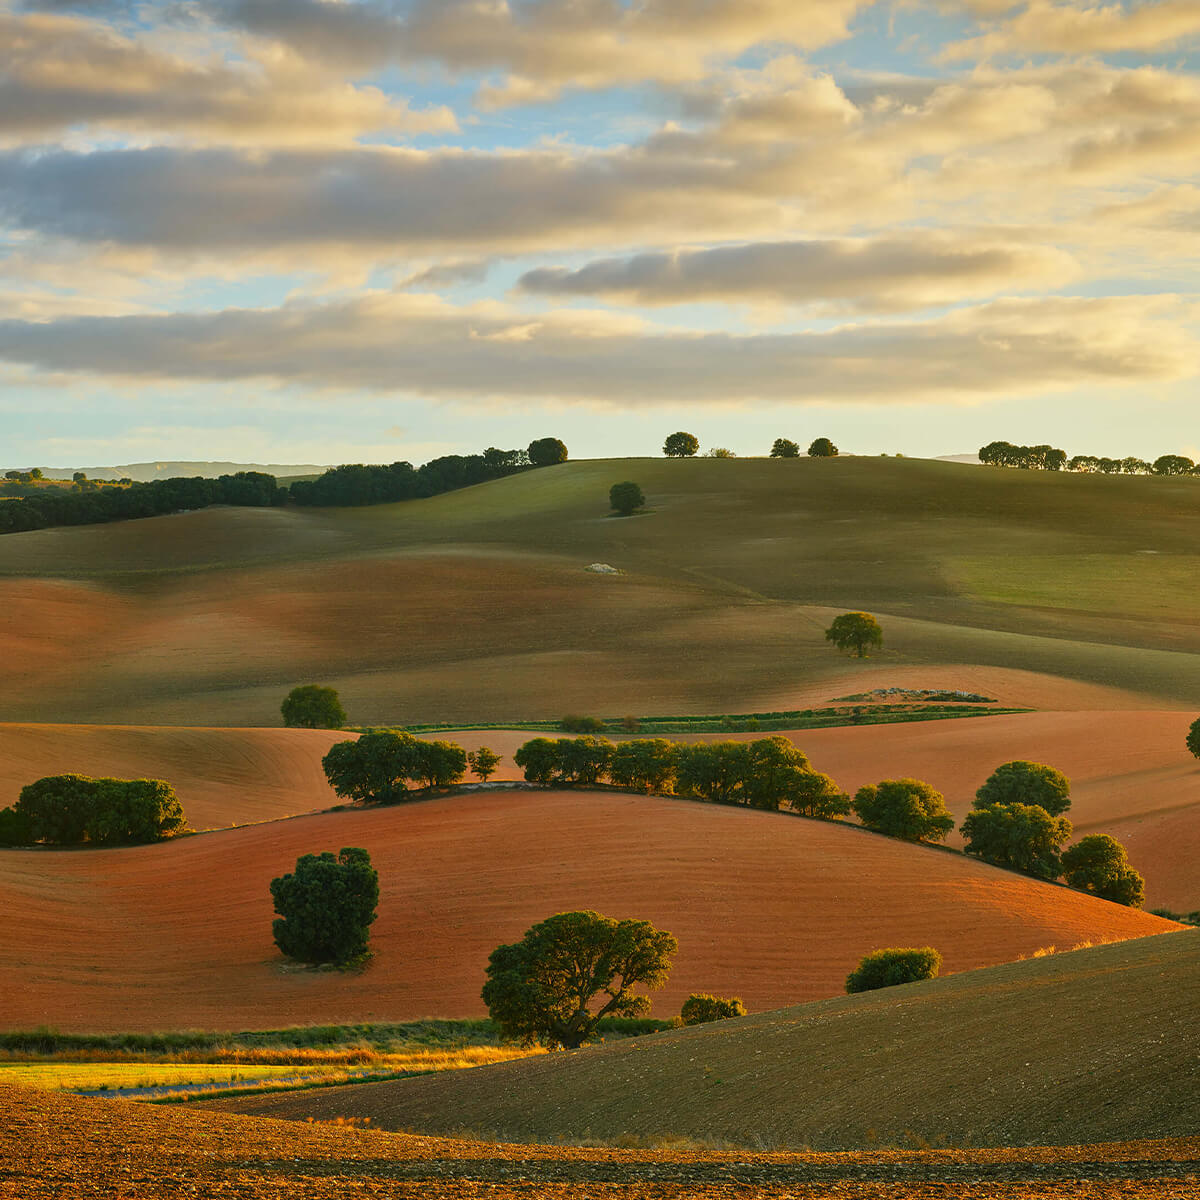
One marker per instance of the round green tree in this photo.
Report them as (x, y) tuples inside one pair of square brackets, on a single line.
[(785, 448), (1023, 837), (626, 497), (1098, 864), (545, 452), (681, 445), (700, 1008), (570, 971), (326, 907), (857, 631), (1193, 738), (1024, 782), (904, 808), (313, 707), (893, 966), (374, 768), (822, 448)]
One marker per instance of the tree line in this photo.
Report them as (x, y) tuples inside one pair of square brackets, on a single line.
[(1050, 458)]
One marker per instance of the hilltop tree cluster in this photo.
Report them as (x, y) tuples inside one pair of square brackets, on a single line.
[(70, 810), (687, 445), (378, 767), (1048, 458)]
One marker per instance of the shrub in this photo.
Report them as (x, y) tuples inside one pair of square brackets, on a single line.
[(700, 1008), (577, 724), (313, 707), (904, 808), (626, 497), (1024, 782), (326, 907), (893, 966)]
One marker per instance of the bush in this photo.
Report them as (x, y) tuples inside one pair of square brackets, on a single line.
[(626, 497), (894, 966), (1098, 864), (681, 445), (313, 707), (1024, 837), (1024, 782), (700, 1008), (904, 808), (68, 810), (326, 907), (576, 724)]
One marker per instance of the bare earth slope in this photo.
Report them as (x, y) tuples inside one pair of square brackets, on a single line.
[(774, 908), (222, 776), (1097, 1044)]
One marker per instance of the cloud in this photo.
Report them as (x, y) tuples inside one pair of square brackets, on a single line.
[(67, 73), (542, 46), (890, 273), (420, 345), (1046, 27)]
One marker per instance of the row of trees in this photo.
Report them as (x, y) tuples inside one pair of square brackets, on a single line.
[(378, 767), (1049, 458), (357, 484), (56, 506), (687, 445), (69, 810)]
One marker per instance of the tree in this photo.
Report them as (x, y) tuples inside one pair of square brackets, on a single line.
[(483, 763), (681, 445), (1098, 864), (816, 795), (1024, 837), (892, 966), (71, 809), (713, 771), (644, 763), (326, 907), (904, 808), (1172, 464), (58, 808), (1024, 782), (543, 986), (583, 759), (374, 768), (438, 764), (626, 497), (700, 1008), (538, 758), (785, 448), (855, 631), (546, 452), (1193, 738), (313, 707), (822, 448), (16, 829)]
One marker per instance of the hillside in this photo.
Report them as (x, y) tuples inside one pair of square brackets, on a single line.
[(773, 908), (475, 605), (1097, 1044)]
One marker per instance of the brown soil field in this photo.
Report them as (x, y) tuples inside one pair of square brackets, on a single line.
[(62, 1147), (1093, 1045), (774, 908), (222, 776)]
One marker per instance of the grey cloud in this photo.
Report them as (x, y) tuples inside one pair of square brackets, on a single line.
[(419, 345), (882, 274)]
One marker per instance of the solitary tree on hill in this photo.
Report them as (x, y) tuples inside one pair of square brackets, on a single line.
[(681, 445), (545, 452), (822, 448), (313, 707), (626, 497), (785, 448), (543, 987), (326, 907), (855, 631)]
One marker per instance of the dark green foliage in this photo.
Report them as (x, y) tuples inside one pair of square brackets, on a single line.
[(785, 448), (626, 497), (326, 907), (378, 766), (583, 759), (814, 794), (577, 724), (61, 506), (1038, 458), (1099, 864), (855, 631), (1192, 918), (1024, 837), (714, 771), (542, 987), (647, 764), (700, 1008), (892, 966), (483, 762), (16, 829), (1024, 782), (904, 808), (681, 445), (1193, 738), (822, 448), (313, 707), (67, 810), (775, 771), (547, 452), (1172, 464), (538, 758)]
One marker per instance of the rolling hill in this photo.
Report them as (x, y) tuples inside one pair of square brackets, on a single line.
[(776, 909), (1095, 1044)]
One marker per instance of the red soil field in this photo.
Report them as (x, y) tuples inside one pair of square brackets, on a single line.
[(222, 776), (773, 908)]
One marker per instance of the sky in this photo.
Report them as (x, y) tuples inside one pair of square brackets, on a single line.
[(323, 231)]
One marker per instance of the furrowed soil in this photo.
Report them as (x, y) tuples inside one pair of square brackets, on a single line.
[(60, 1147), (774, 908), (1097, 1044)]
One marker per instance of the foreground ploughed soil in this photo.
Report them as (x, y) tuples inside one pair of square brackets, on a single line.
[(54, 1147), (1094, 1045), (774, 908)]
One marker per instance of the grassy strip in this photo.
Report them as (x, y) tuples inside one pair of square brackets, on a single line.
[(808, 718)]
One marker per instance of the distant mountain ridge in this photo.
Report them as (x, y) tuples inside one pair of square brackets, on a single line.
[(145, 472)]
